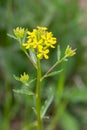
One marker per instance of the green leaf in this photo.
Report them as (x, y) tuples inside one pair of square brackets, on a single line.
[(46, 106), (33, 56), (58, 52), (33, 108), (46, 117), (31, 81), (65, 59), (12, 36), (23, 91), (27, 84), (23, 48), (54, 73), (16, 77)]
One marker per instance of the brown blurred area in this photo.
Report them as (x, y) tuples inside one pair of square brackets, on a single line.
[(83, 4)]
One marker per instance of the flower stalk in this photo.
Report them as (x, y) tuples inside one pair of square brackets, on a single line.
[(38, 99)]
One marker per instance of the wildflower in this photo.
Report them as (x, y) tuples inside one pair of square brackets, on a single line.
[(24, 78), (19, 32), (50, 41), (43, 53), (69, 51), (40, 40), (42, 28)]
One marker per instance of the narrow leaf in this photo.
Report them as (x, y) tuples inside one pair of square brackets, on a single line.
[(31, 81), (46, 117), (33, 56), (27, 84), (34, 110), (58, 52), (16, 77), (65, 59), (46, 106), (11, 36), (54, 73), (23, 91)]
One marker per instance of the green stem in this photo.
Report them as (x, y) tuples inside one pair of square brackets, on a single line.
[(38, 101)]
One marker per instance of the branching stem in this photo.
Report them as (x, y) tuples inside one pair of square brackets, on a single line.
[(45, 75)]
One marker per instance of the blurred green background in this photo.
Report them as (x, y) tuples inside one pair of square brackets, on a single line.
[(67, 20)]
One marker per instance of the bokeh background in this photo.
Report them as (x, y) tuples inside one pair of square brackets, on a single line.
[(67, 19)]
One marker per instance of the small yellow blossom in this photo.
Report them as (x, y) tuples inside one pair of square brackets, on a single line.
[(69, 51), (41, 28), (43, 53), (40, 40), (19, 32), (24, 78)]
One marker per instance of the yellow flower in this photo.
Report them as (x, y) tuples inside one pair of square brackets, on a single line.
[(19, 32), (50, 40), (69, 51), (41, 28), (24, 78), (40, 40), (43, 53), (26, 45)]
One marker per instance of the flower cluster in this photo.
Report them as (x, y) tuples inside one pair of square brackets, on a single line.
[(19, 32), (69, 51), (39, 41), (24, 78)]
